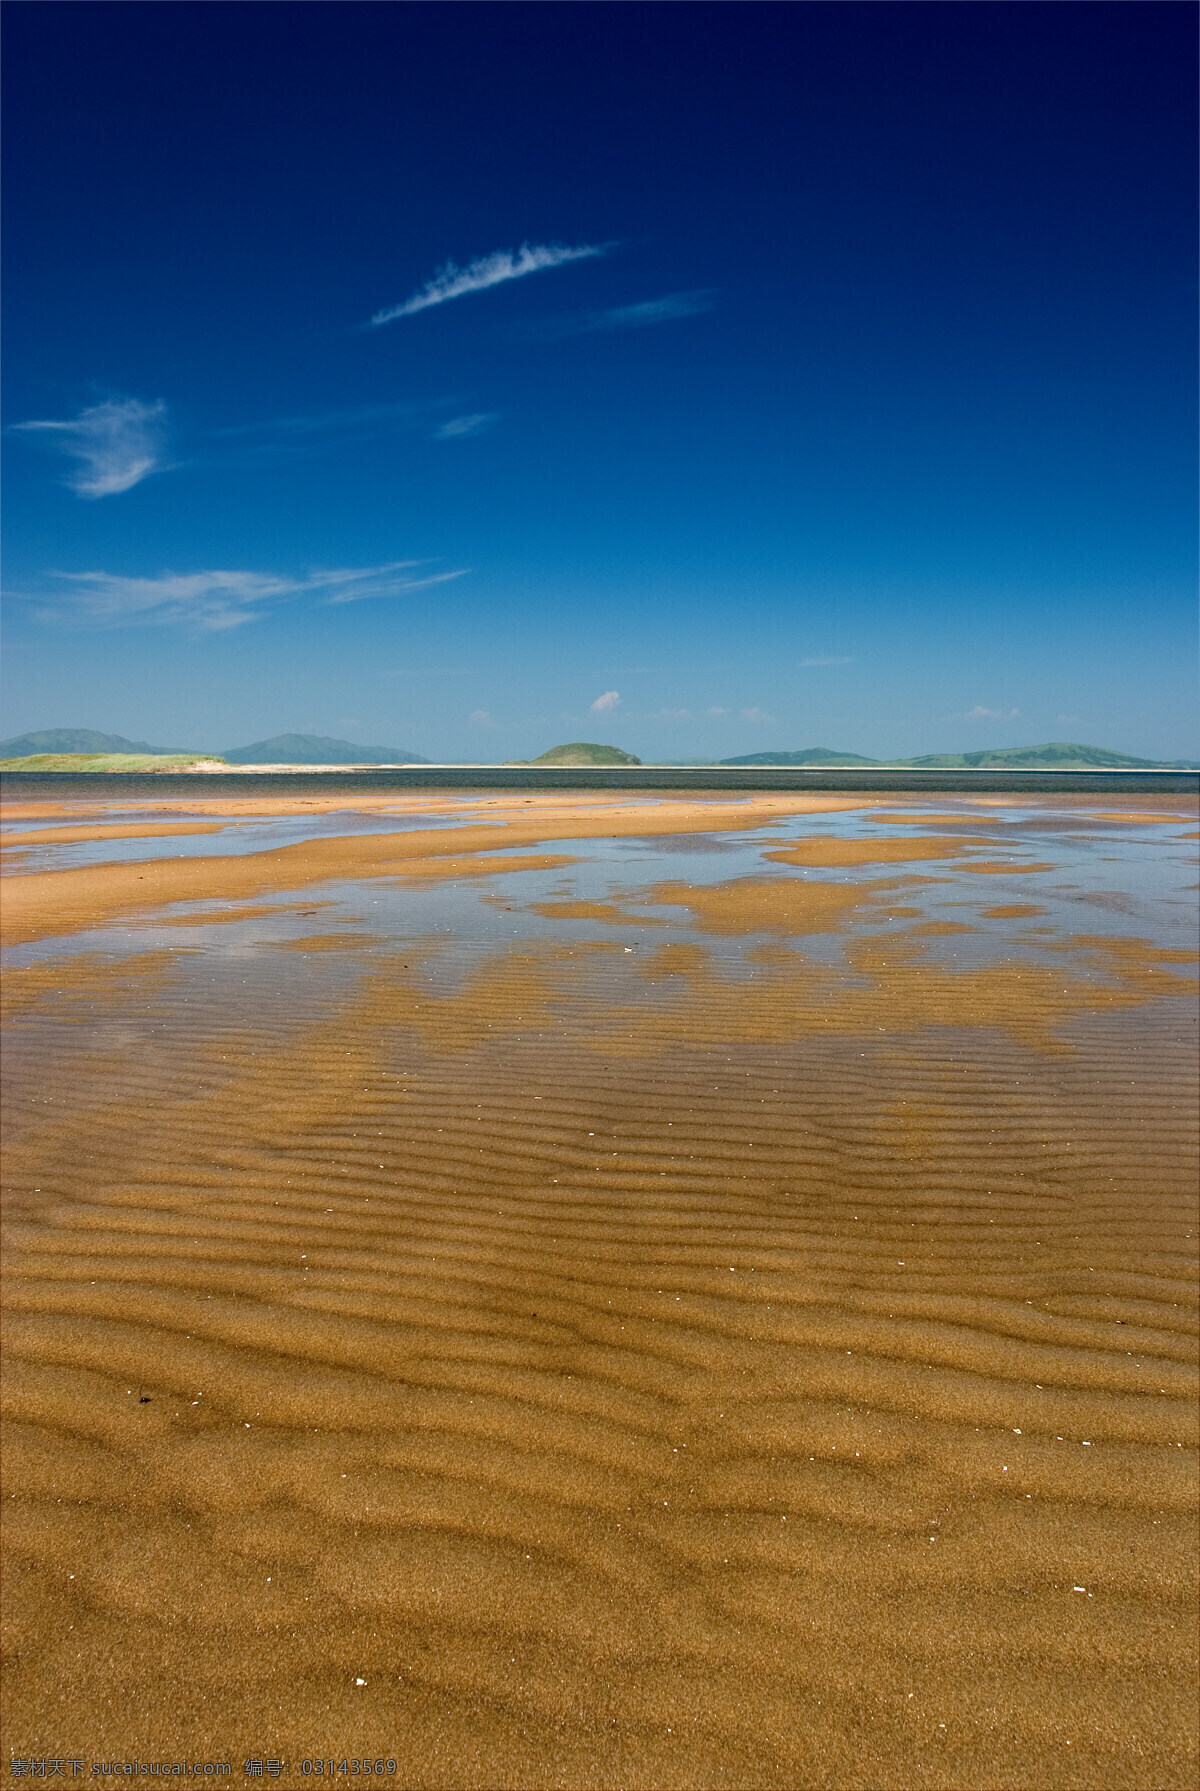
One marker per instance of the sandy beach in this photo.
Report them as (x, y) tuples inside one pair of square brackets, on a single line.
[(653, 1293)]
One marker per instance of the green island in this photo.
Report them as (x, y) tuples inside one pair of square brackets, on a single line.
[(580, 752)]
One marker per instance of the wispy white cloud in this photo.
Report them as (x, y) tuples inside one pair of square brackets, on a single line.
[(827, 659), (209, 600), (627, 317), (979, 713), (353, 585), (213, 601), (117, 444), (322, 430), (756, 715), (452, 281), (715, 711), (480, 717), (460, 426), (604, 703), (671, 715)]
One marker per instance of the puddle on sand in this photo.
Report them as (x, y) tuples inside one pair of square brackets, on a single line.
[(691, 1319), (55, 846)]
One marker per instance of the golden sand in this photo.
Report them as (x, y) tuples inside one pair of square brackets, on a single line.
[(766, 904), (87, 978), (211, 917), (686, 1366), (1007, 866), (70, 836), (1171, 811), (1078, 814), (438, 803)]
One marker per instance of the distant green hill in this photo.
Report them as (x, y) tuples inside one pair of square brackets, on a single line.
[(73, 740), (1058, 755), (811, 755), (318, 749), (581, 752)]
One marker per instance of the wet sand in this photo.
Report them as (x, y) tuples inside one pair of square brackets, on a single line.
[(722, 1332), (40, 903), (58, 836)]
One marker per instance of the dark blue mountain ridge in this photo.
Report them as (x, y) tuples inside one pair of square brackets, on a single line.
[(1057, 755), (21, 746), (282, 749), (810, 755)]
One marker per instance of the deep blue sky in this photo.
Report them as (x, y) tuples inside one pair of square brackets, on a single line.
[(870, 424)]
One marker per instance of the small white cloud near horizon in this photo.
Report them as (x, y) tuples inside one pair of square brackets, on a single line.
[(757, 715), (828, 659), (480, 717), (604, 703), (716, 710), (979, 713), (460, 426), (452, 281), (213, 601), (118, 444), (1066, 718)]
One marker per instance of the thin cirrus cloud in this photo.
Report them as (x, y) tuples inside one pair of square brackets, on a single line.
[(979, 713), (452, 281), (214, 601), (365, 422), (627, 317), (605, 703), (458, 427), (116, 444), (366, 418)]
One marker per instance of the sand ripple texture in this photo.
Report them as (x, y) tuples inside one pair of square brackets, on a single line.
[(568, 1364)]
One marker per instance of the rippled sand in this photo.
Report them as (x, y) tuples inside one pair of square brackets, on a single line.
[(558, 1323)]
